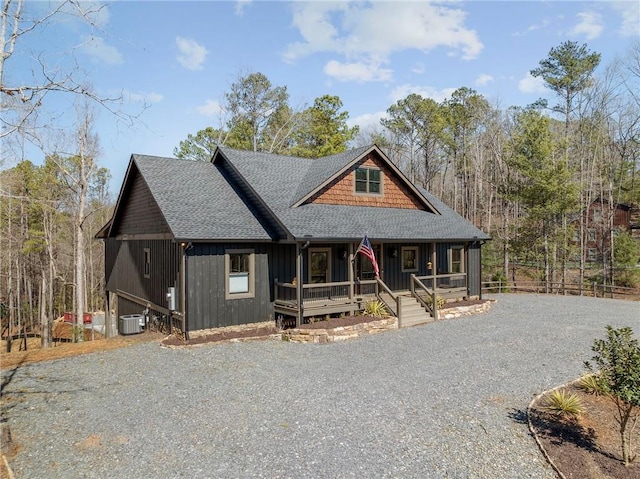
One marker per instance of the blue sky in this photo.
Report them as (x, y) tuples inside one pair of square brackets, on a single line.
[(181, 57)]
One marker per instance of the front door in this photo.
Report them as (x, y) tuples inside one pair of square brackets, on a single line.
[(319, 265), (364, 267)]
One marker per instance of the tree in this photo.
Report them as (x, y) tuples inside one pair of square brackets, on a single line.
[(464, 113), (324, 130), (568, 71), (626, 255), (253, 103), (540, 182), (201, 146), (616, 366), (417, 125), (24, 100)]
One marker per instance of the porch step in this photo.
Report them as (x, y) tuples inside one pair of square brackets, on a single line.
[(413, 313)]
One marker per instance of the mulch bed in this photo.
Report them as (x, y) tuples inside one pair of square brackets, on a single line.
[(587, 447), (265, 331), (222, 335)]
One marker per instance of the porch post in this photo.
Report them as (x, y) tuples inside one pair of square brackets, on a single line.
[(300, 315), (434, 264), (351, 264)]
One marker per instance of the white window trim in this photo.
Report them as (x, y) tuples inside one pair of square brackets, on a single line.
[(227, 274), (328, 273), (410, 248)]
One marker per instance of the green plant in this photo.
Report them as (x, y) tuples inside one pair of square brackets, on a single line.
[(441, 301), (562, 403), (591, 384), (617, 361), (376, 309)]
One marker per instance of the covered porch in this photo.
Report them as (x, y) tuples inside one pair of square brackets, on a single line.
[(332, 279)]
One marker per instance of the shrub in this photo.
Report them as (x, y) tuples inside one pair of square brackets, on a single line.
[(441, 301), (590, 383), (563, 404), (376, 309), (617, 360)]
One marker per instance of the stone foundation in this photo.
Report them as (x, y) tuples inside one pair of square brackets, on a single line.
[(343, 333), (456, 312)]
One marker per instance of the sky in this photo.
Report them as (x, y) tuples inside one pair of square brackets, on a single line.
[(180, 58)]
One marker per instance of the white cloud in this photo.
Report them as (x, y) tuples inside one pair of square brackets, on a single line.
[(403, 91), (531, 84), (358, 72), (192, 54), (484, 79), (367, 120), (210, 108), (148, 98), (590, 25), (241, 5), (630, 16), (100, 52), (368, 33)]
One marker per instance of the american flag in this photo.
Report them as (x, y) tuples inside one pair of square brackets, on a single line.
[(366, 249)]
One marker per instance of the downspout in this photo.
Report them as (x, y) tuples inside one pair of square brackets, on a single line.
[(183, 287)]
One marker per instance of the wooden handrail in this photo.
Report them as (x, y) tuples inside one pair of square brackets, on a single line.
[(433, 308)]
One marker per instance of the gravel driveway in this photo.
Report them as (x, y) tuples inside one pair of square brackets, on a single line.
[(443, 400)]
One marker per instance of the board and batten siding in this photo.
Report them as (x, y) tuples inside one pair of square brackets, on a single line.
[(125, 263), (206, 305), (141, 213)]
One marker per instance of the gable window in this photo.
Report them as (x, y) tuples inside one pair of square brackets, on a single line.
[(147, 263), (239, 267), (368, 180), (456, 259), (409, 259)]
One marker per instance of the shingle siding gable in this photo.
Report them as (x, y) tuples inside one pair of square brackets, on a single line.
[(341, 191)]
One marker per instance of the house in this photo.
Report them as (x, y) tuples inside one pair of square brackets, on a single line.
[(250, 237), (602, 221)]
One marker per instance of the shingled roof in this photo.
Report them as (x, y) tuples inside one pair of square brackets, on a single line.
[(253, 196)]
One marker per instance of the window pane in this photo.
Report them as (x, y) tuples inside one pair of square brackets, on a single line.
[(374, 176), (319, 265), (409, 259), (374, 187), (239, 263), (239, 283), (361, 180)]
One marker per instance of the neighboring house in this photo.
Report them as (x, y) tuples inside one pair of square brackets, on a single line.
[(250, 237), (603, 221)]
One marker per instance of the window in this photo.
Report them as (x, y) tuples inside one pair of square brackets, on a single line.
[(592, 254), (591, 234), (456, 259), (368, 180), (147, 263), (239, 268), (409, 259), (319, 265)]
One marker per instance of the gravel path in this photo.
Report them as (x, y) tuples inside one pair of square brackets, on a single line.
[(443, 400)]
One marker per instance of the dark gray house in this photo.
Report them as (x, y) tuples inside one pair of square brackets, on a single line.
[(250, 237)]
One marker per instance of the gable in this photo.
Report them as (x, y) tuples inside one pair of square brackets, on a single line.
[(140, 214), (342, 190)]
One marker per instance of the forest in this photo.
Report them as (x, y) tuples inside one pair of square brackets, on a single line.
[(525, 175)]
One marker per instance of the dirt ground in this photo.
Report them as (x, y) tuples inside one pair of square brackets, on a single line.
[(587, 447), (64, 350)]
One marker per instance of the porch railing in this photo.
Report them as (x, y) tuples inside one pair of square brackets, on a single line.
[(323, 291), (450, 285), (427, 297)]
